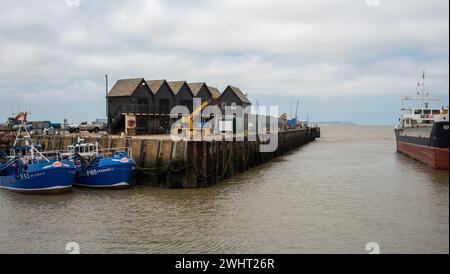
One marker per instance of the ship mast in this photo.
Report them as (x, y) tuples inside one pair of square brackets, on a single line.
[(423, 94), (422, 90)]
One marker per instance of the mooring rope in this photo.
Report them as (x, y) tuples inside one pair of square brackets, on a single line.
[(145, 170)]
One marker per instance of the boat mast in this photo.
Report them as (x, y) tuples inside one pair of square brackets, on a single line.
[(22, 118)]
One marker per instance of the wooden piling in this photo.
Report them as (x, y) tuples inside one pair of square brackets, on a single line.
[(190, 164)]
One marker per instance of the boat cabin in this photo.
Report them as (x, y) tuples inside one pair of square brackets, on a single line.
[(422, 110), (419, 116), (85, 150)]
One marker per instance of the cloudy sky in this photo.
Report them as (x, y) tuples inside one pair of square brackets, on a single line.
[(346, 60)]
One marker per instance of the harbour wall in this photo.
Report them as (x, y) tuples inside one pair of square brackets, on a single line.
[(162, 162)]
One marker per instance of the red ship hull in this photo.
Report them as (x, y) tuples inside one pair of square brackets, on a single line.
[(432, 156)]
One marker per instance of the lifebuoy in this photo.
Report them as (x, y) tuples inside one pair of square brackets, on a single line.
[(131, 123)]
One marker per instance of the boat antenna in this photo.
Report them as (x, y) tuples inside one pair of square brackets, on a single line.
[(423, 83), (421, 88)]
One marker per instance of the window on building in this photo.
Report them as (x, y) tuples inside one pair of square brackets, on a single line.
[(233, 105), (427, 111), (164, 106), (224, 105), (417, 111), (142, 105)]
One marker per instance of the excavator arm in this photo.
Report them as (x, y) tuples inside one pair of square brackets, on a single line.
[(196, 112)]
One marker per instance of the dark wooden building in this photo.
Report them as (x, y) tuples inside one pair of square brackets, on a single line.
[(128, 96), (163, 96), (215, 94), (233, 96), (183, 94), (202, 91), (148, 102), (137, 106), (164, 101)]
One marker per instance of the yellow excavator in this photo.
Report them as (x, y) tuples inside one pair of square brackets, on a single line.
[(193, 130)]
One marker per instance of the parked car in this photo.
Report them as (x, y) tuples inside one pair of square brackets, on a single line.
[(85, 126)]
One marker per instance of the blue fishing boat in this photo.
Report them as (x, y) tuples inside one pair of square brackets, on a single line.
[(102, 168), (28, 170)]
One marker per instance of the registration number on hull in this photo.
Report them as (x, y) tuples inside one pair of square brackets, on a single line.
[(94, 172), (32, 175)]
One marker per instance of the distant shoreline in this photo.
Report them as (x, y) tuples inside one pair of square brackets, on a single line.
[(334, 123), (347, 124)]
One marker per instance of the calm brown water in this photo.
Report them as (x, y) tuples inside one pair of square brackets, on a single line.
[(331, 196)]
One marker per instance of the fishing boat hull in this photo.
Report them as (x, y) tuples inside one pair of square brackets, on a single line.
[(109, 174), (46, 178)]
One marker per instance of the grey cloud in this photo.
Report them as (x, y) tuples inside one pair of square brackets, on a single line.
[(281, 47)]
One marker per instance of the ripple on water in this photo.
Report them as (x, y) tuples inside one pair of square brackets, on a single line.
[(331, 196)]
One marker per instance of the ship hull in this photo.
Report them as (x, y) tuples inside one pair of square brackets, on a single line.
[(431, 150), (434, 157)]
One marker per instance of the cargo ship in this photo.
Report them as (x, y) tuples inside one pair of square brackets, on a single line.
[(422, 132)]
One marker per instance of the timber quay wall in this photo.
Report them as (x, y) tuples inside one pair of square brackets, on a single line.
[(162, 162)]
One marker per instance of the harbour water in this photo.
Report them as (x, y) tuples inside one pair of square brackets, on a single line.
[(334, 195)]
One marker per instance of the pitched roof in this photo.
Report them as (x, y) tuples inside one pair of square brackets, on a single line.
[(155, 85), (176, 86), (196, 87), (214, 91), (239, 94), (124, 87)]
